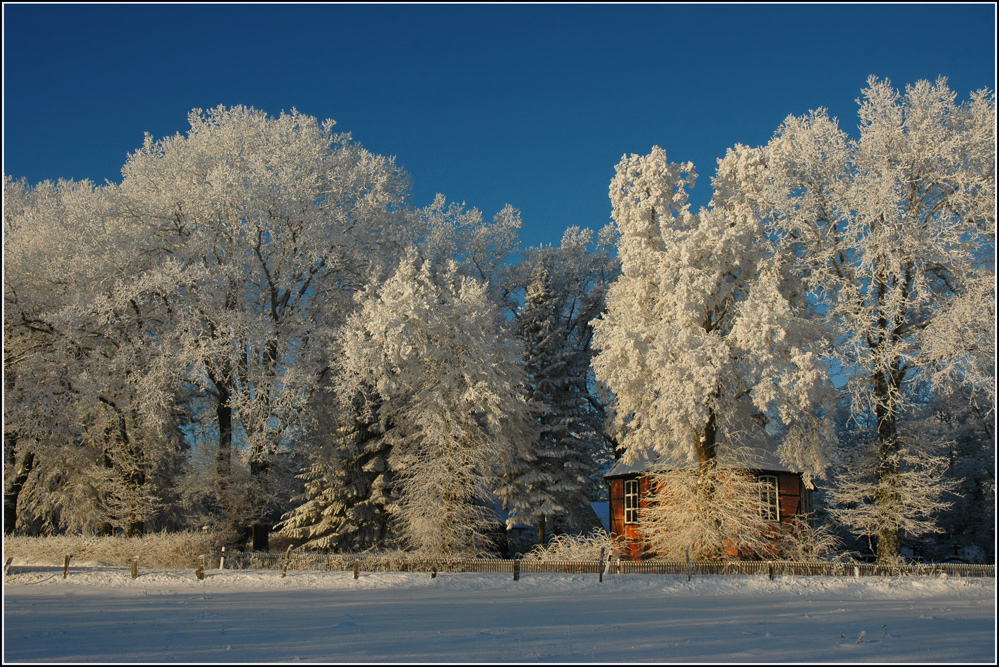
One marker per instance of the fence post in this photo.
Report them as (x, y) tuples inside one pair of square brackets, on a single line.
[(135, 567), (770, 567), (65, 567), (433, 571), (601, 567), (357, 568), (222, 560), (516, 569), (284, 565), (200, 572), (688, 562)]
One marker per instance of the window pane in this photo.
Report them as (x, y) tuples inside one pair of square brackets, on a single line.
[(769, 501), (631, 501)]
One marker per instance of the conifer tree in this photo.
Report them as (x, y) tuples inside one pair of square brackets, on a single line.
[(345, 503), (553, 481)]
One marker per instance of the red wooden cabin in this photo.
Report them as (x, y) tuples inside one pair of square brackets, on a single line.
[(630, 491)]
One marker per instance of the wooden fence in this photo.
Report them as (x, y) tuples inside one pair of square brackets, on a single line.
[(255, 560)]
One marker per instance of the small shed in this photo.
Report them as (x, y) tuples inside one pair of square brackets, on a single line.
[(787, 496)]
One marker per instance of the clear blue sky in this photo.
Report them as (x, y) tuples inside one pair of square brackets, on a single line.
[(530, 105)]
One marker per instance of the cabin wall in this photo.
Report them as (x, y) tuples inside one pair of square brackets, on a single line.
[(634, 546), (790, 495), (794, 499)]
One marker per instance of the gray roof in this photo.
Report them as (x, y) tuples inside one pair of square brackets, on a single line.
[(761, 454)]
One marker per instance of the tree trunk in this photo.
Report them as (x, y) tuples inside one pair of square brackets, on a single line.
[(706, 442), (223, 461), (136, 524), (887, 495), (261, 526), (260, 536), (541, 530), (106, 529), (223, 415), (706, 445), (13, 491)]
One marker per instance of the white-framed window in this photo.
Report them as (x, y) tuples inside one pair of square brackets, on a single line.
[(631, 501), (769, 498)]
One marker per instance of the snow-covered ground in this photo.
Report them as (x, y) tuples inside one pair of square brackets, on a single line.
[(100, 614)]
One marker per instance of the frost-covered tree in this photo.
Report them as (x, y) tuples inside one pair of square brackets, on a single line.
[(431, 345), (483, 250), (706, 341), (552, 488), (706, 336), (264, 228), (553, 482), (90, 413), (894, 235), (348, 497)]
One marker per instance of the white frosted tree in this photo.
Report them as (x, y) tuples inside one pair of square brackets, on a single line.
[(894, 235), (706, 345), (348, 499), (706, 336), (432, 346), (264, 228), (483, 250), (90, 413)]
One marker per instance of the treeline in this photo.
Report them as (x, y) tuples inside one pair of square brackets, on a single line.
[(257, 330)]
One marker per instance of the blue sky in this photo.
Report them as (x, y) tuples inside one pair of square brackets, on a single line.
[(530, 105)]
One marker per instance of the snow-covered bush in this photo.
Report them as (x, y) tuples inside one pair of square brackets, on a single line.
[(714, 513), (808, 541), (717, 514), (154, 550), (574, 547)]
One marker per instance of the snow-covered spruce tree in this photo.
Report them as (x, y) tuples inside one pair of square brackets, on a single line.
[(264, 228), (552, 488), (348, 483), (706, 336), (968, 437), (554, 481), (432, 346), (894, 234)]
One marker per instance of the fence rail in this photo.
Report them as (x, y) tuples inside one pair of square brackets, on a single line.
[(255, 560)]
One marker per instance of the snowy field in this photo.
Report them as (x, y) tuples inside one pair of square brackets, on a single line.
[(100, 614)]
